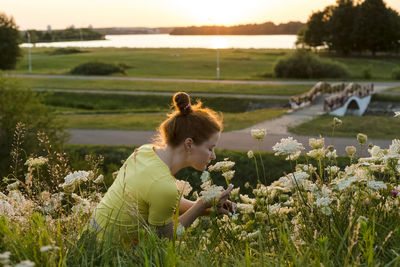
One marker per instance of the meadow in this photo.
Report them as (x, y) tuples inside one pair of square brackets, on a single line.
[(318, 212), (235, 64)]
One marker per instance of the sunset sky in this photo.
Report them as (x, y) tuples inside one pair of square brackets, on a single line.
[(37, 14)]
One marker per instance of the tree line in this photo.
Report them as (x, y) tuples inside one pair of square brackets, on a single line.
[(69, 34), (245, 29), (350, 27)]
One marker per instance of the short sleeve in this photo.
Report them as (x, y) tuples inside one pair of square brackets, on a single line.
[(163, 200)]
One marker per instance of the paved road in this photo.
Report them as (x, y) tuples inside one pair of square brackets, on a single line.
[(377, 84)]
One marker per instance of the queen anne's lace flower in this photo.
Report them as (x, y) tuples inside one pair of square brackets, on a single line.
[(258, 134), (316, 143), (228, 175), (376, 152), (48, 248), (184, 187), (288, 147), (223, 166), (75, 178), (376, 185), (36, 162), (211, 192), (205, 176), (394, 148)]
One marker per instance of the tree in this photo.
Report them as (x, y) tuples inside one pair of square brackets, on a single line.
[(315, 32), (9, 42), (377, 26)]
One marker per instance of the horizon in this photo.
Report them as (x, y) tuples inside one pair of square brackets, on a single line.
[(160, 14)]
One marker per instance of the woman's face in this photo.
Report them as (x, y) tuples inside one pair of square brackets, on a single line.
[(202, 154)]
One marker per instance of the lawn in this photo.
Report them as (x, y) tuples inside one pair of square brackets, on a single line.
[(101, 84), (395, 89), (238, 64), (150, 121), (74, 103), (374, 126)]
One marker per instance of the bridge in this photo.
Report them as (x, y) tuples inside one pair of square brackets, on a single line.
[(339, 99)]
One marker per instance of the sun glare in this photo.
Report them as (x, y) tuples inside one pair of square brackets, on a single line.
[(219, 42)]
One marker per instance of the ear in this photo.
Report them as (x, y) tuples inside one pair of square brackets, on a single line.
[(188, 143)]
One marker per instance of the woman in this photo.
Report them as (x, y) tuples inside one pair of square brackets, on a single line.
[(145, 193)]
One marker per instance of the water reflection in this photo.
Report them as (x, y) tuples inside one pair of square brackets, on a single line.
[(183, 41)]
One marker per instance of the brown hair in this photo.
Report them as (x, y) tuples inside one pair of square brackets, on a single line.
[(188, 121)]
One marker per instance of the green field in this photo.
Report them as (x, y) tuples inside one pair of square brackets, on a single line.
[(374, 126), (239, 64), (74, 102), (150, 121), (101, 84)]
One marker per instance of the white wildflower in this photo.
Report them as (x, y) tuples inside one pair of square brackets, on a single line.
[(184, 187), (36, 162), (5, 258), (250, 154), (337, 122), (344, 183), (235, 193), (274, 209), (288, 147), (26, 263), (246, 199), (75, 178), (376, 185), (48, 248), (394, 148), (99, 179), (350, 150), (332, 170), (228, 175), (211, 192), (180, 230), (245, 208), (331, 154), (362, 138), (223, 166), (326, 210), (205, 176), (316, 143), (316, 153), (258, 134), (376, 152), (397, 114), (323, 201)]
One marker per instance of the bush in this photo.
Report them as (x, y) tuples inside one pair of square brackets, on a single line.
[(9, 43), (98, 68), (66, 51), (396, 73), (304, 64), (367, 72)]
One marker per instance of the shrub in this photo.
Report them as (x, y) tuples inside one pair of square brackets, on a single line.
[(66, 51), (367, 72), (98, 68), (304, 64), (396, 73)]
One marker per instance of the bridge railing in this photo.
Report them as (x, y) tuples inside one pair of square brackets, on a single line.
[(309, 97), (337, 100)]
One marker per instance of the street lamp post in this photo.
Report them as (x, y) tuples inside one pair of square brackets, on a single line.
[(217, 29), (29, 52)]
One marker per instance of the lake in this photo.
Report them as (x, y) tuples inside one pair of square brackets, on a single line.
[(183, 41)]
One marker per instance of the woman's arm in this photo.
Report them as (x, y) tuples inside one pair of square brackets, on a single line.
[(187, 204), (186, 219), (197, 209)]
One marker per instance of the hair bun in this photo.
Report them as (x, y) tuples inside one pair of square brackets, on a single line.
[(182, 103)]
